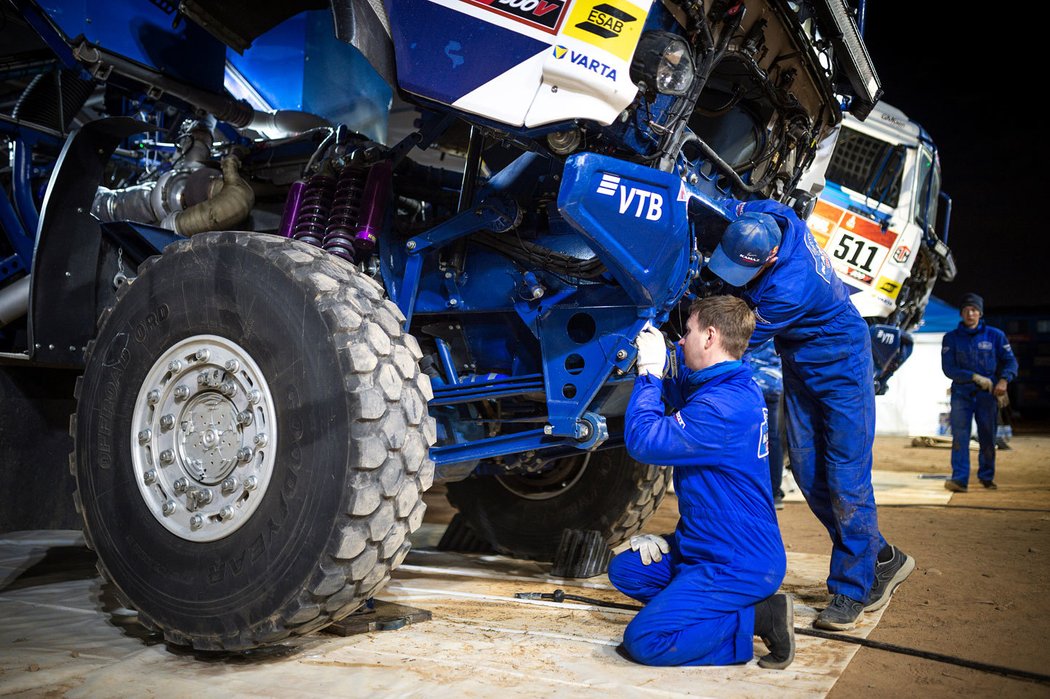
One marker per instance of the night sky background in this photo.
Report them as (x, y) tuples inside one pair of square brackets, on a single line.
[(972, 80)]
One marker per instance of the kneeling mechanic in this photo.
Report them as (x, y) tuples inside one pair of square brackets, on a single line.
[(709, 587)]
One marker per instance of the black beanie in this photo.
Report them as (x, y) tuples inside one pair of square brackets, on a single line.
[(971, 299)]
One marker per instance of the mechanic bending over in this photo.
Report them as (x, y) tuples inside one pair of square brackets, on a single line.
[(709, 587), (825, 352)]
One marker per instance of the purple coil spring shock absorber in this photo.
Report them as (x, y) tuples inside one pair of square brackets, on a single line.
[(373, 208), (291, 209), (339, 235), (314, 208)]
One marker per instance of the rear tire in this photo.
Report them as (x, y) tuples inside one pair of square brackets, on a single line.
[(524, 515), (164, 451)]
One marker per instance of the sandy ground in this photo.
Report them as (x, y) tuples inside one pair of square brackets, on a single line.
[(981, 588)]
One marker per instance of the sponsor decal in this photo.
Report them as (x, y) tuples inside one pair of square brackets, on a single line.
[(613, 25), (640, 203), (763, 438), (901, 254), (679, 420), (545, 15), (860, 276), (985, 345), (582, 59), (820, 258), (888, 287), (886, 338)]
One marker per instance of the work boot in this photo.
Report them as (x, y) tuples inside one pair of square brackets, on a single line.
[(840, 615), (990, 485), (775, 625), (954, 486), (888, 575)]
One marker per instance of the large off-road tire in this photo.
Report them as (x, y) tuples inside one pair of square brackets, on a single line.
[(524, 515), (251, 440)]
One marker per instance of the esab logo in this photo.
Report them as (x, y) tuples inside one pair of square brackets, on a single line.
[(606, 21), (612, 25), (542, 14), (637, 202)]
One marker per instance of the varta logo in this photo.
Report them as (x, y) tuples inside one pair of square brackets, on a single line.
[(582, 59), (642, 201)]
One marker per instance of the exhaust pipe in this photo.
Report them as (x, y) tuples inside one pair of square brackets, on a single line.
[(14, 301)]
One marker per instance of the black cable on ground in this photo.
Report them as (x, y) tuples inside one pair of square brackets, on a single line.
[(560, 596)]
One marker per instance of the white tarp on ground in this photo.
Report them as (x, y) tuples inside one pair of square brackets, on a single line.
[(917, 394), (57, 639)]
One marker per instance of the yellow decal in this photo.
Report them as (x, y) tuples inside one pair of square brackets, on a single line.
[(888, 287), (612, 25)]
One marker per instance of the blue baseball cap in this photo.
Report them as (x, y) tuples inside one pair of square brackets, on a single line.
[(747, 244)]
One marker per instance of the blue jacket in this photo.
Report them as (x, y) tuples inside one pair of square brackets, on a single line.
[(983, 350), (717, 441), (797, 299)]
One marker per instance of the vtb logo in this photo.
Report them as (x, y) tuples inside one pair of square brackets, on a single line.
[(644, 203)]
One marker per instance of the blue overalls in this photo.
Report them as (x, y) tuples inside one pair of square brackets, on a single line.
[(825, 351), (765, 363), (726, 552), (964, 352)]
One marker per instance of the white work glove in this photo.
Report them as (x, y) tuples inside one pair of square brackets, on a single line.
[(652, 352), (650, 547), (983, 382)]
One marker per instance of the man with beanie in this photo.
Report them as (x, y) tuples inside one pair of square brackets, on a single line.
[(709, 587), (979, 361), (825, 351)]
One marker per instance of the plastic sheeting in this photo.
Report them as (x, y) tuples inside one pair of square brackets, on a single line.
[(63, 636)]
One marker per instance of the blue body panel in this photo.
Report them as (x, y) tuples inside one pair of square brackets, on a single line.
[(443, 54), (301, 65), (632, 218), (143, 33)]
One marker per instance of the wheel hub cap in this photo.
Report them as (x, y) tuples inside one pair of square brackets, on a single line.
[(203, 438)]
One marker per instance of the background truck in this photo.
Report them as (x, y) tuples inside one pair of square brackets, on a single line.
[(288, 327), (883, 220)]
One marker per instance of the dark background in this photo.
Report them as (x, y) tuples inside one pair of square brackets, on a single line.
[(973, 79)]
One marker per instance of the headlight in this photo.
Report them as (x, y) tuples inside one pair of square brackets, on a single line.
[(663, 61)]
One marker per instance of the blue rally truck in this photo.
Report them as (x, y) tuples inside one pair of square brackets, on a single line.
[(287, 325)]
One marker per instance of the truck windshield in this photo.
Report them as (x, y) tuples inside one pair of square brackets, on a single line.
[(929, 189), (867, 165)]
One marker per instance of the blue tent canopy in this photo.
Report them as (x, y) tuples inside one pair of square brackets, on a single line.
[(940, 317)]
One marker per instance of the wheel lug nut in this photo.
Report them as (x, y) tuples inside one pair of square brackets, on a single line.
[(167, 421), (261, 439), (167, 456), (202, 379), (145, 435), (254, 396), (244, 417), (153, 396), (244, 454), (226, 513), (180, 485), (174, 366), (182, 392), (251, 482), (169, 508), (228, 388), (150, 477), (196, 522), (202, 355), (233, 366), (204, 496), (229, 485)]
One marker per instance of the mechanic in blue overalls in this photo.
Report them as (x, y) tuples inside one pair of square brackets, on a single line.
[(829, 394), (709, 587), (979, 361)]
